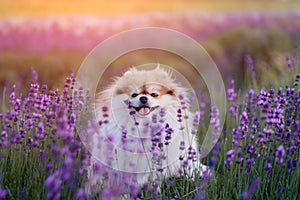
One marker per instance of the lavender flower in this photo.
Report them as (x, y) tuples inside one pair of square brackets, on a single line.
[(169, 131), (269, 167), (80, 194), (3, 193), (229, 156), (215, 123), (233, 110), (22, 194), (297, 80), (34, 74), (215, 152), (250, 62), (196, 121), (279, 154), (251, 189), (182, 145), (265, 99), (179, 115), (253, 98), (53, 184), (288, 62), (239, 157), (40, 126), (249, 163), (231, 94)]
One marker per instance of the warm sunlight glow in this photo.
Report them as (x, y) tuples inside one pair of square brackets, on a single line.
[(116, 7)]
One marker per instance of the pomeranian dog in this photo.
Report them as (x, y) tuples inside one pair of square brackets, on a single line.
[(146, 127)]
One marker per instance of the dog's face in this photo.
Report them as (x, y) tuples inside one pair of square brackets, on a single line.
[(148, 97), (147, 90)]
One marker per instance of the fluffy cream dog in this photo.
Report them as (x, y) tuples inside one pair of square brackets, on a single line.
[(146, 126)]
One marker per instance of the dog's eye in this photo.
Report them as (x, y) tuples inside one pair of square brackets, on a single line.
[(134, 95), (154, 94)]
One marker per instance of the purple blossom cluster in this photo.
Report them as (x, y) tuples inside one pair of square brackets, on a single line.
[(250, 63), (38, 130), (21, 33), (266, 134), (251, 189)]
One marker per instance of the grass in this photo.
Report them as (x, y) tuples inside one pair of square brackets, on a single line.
[(53, 166)]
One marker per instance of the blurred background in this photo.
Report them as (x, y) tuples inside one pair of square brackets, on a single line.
[(55, 36)]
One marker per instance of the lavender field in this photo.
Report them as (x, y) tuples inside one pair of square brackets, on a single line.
[(256, 156), (57, 45)]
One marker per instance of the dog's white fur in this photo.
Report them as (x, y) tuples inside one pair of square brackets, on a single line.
[(134, 100)]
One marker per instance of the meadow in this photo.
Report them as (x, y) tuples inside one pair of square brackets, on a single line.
[(256, 156), (57, 45)]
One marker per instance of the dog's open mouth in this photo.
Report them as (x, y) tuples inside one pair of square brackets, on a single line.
[(144, 110)]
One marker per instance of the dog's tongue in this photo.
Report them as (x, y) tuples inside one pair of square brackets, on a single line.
[(144, 111)]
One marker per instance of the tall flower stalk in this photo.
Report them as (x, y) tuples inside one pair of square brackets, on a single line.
[(42, 156)]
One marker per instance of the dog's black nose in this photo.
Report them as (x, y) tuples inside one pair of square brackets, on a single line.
[(143, 99)]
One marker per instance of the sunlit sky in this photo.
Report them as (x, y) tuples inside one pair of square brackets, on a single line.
[(115, 7)]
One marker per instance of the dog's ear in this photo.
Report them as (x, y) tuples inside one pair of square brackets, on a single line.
[(171, 92), (162, 71)]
